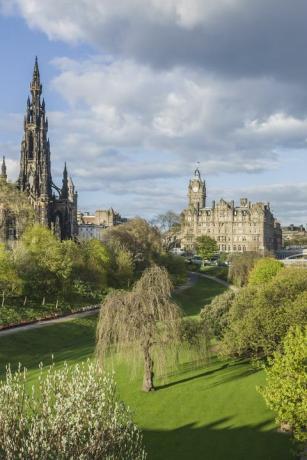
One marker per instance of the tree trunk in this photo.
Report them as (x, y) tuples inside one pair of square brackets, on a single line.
[(148, 370)]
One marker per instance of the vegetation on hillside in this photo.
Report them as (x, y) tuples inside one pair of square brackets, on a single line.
[(41, 275), (285, 392)]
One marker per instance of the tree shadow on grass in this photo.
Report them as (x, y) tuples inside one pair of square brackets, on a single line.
[(193, 377), (232, 372), (218, 441)]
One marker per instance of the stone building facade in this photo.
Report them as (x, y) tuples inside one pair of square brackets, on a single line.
[(55, 207), (247, 227), (92, 226)]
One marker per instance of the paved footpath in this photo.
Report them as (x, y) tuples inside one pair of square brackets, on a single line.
[(217, 280), (192, 279), (48, 322)]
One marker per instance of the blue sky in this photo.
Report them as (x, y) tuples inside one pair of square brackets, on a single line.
[(138, 92)]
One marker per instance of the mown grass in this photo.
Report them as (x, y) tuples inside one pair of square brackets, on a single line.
[(198, 412)]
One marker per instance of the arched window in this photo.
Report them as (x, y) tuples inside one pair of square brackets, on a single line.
[(30, 145)]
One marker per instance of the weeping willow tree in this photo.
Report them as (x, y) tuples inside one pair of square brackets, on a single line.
[(145, 320)]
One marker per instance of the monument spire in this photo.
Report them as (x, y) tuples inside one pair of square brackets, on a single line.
[(3, 170)]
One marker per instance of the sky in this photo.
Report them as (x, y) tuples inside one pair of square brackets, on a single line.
[(138, 91)]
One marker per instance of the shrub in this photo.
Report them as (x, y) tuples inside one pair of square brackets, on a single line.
[(215, 315), (240, 267), (264, 270), (260, 316), (72, 413), (175, 266), (285, 392)]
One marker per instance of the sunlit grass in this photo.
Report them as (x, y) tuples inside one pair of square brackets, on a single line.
[(199, 411)]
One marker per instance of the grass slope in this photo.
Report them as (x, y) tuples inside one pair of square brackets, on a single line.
[(211, 412)]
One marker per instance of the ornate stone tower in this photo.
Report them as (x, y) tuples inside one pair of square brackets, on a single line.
[(35, 171), (55, 207), (197, 191)]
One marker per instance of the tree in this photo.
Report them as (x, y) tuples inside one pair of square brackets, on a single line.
[(240, 267), (40, 261), (139, 237), (96, 262), (264, 270), (145, 319), (206, 247), (260, 316), (167, 221), (124, 266), (215, 316), (72, 413), (10, 282), (285, 392)]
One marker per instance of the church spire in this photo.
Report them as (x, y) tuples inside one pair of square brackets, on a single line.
[(35, 85), (64, 191), (3, 170)]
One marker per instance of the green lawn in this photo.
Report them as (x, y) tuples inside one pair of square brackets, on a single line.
[(200, 294), (211, 412)]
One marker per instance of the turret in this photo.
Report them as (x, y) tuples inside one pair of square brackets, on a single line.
[(3, 175), (64, 190)]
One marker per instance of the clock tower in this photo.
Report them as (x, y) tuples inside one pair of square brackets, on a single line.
[(197, 191)]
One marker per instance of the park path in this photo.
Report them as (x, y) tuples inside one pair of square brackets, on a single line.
[(192, 279), (217, 280), (48, 322)]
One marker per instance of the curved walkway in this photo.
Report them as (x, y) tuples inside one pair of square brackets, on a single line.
[(48, 322), (193, 276), (217, 280)]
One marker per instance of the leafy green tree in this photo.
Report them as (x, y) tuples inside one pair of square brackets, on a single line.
[(176, 267), (206, 247), (264, 270), (240, 267), (95, 264), (260, 316), (10, 282), (285, 392), (215, 316), (41, 263), (124, 266), (141, 323), (140, 238)]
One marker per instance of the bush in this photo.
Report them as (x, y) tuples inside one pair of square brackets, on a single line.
[(260, 316), (215, 315), (285, 393), (72, 413), (175, 266), (240, 267), (264, 270)]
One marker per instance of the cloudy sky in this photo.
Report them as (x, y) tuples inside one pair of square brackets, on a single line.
[(139, 91)]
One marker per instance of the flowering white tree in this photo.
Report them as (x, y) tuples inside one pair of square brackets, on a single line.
[(72, 413)]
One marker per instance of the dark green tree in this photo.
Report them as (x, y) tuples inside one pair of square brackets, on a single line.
[(206, 247)]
